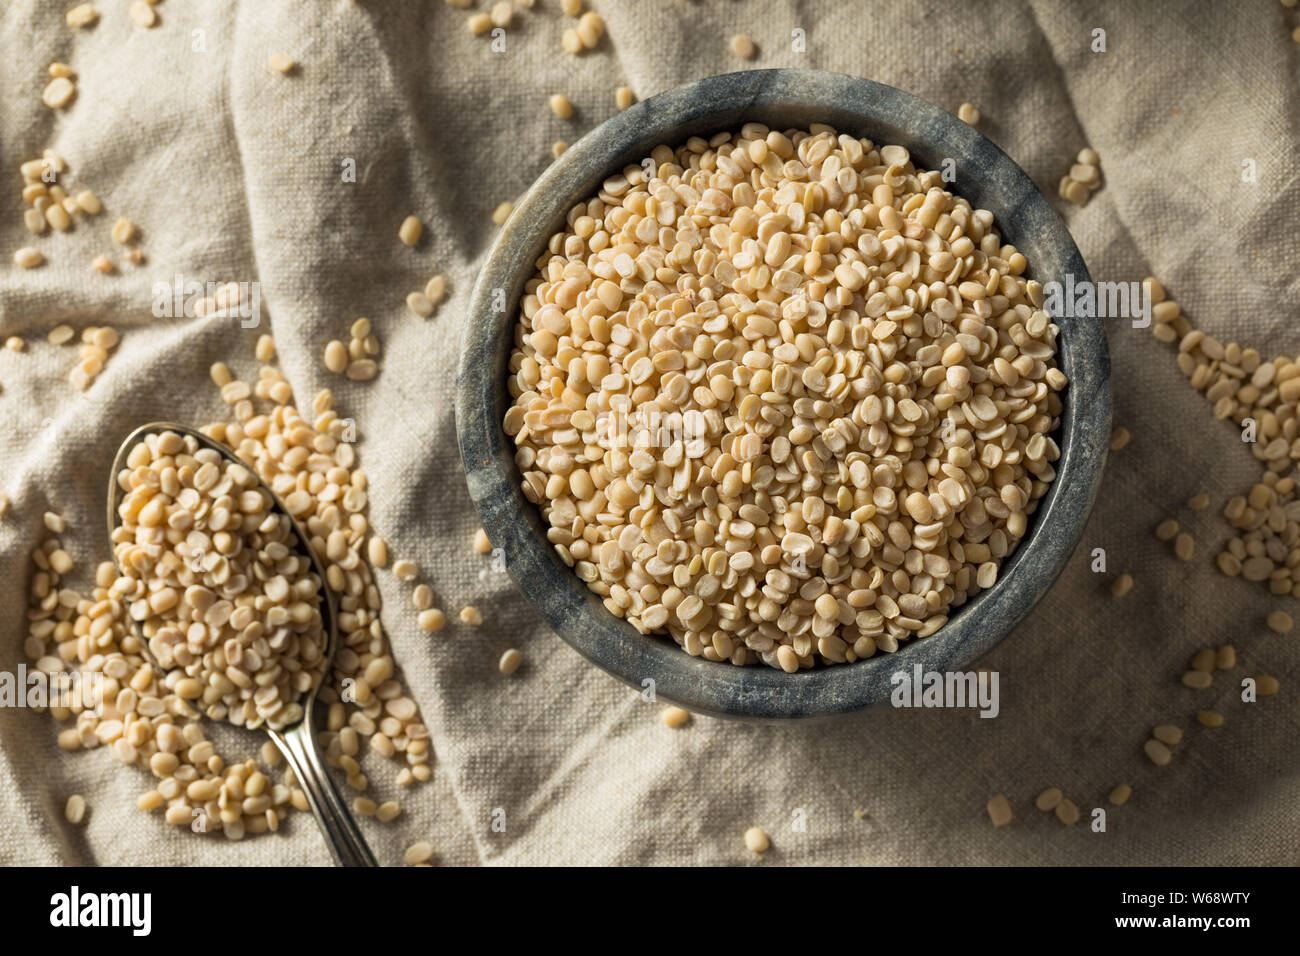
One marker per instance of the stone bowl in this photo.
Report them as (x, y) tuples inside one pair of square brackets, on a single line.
[(782, 99)]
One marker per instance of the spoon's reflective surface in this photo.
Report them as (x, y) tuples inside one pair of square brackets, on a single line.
[(298, 741)]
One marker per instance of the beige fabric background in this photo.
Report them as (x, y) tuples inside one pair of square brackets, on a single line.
[(233, 173)]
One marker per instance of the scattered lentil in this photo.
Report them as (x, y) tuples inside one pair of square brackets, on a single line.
[(281, 63), (502, 213), (1119, 438), (471, 615), (756, 840), (999, 810), (1280, 622), (510, 661), (74, 811), (58, 92), (969, 114), (1209, 718), (675, 717), (1157, 752), (561, 106), (418, 853), (143, 14), (1167, 734), (28, 258), (624, 97), (1067, 812), (82, 15), (411, 230), (1122, 585), (1119, 796), (1048, 799), (742, 46)]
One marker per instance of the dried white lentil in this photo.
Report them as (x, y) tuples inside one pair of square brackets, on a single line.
[(143, 14), (410, 232), (1157, 752), (472, 616), (675, 717), (281, 63), (969, 114), (82, 15), (28, 258), (1067, 812), (742, 46), (1120, 794), (58, 92), (510, 661), (561, 106), (418, 853), (999, 811), (756, 840), (74, 811)]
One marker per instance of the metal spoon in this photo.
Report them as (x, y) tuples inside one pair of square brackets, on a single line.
[(297, 742)]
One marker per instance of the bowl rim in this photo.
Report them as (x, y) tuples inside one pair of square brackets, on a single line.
[(655, 664)]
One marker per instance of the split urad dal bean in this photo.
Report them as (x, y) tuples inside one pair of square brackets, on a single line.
[(624, 97), (510, 661), (143, 14), (1120, 794), (1048, 799), (675, 717), (742, 46), (82, 15), (756, 840), (501, 214), (1157, 752), (561, 106), (1122, 585), (217, 579), (1067, 812), (969, 114), (410, 230), (783, 368), (999, 811), (1119, 438)]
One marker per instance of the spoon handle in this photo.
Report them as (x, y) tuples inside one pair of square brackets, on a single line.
[(346, 844)]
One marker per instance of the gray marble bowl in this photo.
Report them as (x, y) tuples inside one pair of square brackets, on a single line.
[(782, 99)]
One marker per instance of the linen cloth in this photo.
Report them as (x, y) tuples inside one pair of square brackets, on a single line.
[(235, 173)]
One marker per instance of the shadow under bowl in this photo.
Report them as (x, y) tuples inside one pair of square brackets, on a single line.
[(782, 99)]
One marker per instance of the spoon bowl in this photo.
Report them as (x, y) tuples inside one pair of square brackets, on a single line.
[(297, 741)]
